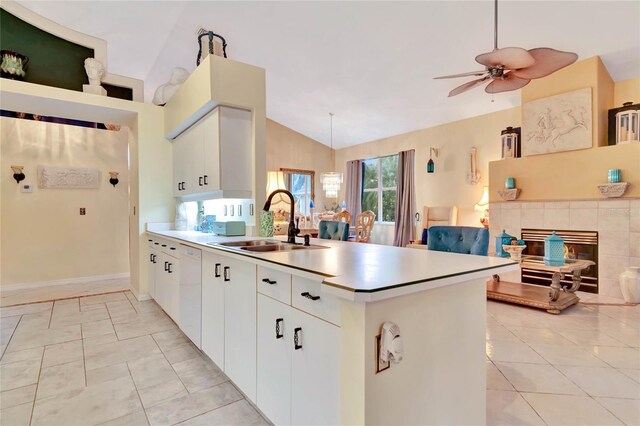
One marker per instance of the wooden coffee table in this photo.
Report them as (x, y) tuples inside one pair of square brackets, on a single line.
[(553, 299)]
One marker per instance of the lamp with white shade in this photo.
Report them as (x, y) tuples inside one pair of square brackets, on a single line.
[(331, 181), (483, 206), (275, 180)]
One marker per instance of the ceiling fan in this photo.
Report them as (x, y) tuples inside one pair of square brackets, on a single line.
[(511, 68)]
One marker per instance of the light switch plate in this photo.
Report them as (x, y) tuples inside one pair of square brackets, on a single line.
[(26, 188)]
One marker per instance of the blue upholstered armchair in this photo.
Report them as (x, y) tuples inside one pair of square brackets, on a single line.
[(459, 239), (331, 230)]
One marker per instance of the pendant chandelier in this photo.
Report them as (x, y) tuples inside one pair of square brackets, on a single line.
[(331, 181)]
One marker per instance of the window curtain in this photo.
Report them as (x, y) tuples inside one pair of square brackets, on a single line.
[(405, 199), (353, 192)]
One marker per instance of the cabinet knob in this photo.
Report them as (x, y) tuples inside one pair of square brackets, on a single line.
[(309, 296), (217, 270), (279, 334), (200, 180), (206, 180), (268, 281), (227, 274), (169, 270), (166, 266), (297, 338)]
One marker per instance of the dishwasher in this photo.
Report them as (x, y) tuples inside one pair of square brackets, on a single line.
[(191, 293)]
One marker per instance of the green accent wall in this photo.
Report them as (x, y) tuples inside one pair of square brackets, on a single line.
[(53, 61)]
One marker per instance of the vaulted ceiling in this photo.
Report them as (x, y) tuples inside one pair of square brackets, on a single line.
[(370, 63)]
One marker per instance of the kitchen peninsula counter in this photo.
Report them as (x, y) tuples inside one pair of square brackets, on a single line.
[(362, 272)]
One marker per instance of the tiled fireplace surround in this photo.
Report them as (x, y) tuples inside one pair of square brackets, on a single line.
[(617, 222)]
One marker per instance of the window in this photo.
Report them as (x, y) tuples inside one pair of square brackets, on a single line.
[(379, 187), (300, 184)]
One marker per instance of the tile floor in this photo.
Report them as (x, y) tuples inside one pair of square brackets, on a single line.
[(43, 294), (109, 359)]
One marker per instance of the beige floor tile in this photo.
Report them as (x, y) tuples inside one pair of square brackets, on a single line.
[(182, 353), (99, 340), (634, 374), (145, 323), (91, 405), (507, 408), (590, 338), (9, 322), (33, 353), (606, 382), (496, 380), (16, 416), (25, 309), (198, 373), (627, 410), (62, 353), (150, 371), (61, 378), (86, 308), (35, 321), (5, 335), (618, 357), (567, 355), (170, 339), (17, 396), (495, 331), (193, 404), (105, 374), (25, 339), (503, 350), (539, 335), (97, 328), (537, 378), (19, 374), (121, 351), (139, 418), (102, 298), (156, 394), (66, 306), (93, 315), (239, 413), (570, 410)]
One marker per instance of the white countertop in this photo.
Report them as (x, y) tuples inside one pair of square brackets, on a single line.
[(365, 272)]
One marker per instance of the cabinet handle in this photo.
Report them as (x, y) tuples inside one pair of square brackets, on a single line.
[(179, 186), (154, 258), (217, 270), (200, 180), (183, 188), (296, 338), (227, 274), (170, 270), (309, 296), (172, 248), (166, 266), (151, 258), (279, 334), (268, 281), (164, 245), (156, 243), (206, 180)]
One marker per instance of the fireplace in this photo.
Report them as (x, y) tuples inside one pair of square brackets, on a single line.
[(578, 245)]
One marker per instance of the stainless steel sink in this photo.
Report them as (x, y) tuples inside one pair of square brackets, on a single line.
[(248, 243)]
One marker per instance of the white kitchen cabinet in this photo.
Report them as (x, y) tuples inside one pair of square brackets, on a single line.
[(168, 285), (213, 308), (240, 295), (275, 344), (213, 158), (154, 258), (298, 381)]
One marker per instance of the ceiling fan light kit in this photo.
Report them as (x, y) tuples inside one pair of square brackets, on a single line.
[(512, 68)]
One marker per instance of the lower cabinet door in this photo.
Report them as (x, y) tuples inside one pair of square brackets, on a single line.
[(213, 308), (315, 372), (154, 259), (275, 344), (240, 324), (169, 288)]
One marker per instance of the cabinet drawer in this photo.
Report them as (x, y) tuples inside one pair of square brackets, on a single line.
[(303, 293), (275, 284), (169, 247)]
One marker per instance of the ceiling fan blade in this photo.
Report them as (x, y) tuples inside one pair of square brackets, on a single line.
[(547, 62), (467, 86), (510, 58), (465, 74), (506, 83)]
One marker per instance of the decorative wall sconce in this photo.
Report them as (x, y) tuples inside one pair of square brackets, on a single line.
[(114, 178), (627, 123), (510, 139), (473, 176), (18, 175), (431, 166)]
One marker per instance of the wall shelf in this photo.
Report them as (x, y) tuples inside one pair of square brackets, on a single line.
[(509, 194), (613, 190)]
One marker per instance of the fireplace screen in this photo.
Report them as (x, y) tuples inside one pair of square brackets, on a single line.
[(577, 245)]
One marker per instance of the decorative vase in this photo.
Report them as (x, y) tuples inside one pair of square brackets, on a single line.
[(553, 250), (630, 284), (266, 224)]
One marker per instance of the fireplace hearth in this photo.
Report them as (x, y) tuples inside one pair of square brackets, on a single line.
[(578, 245)]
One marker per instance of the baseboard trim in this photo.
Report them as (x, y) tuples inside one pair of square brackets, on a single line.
[(93, 278), (140, 297)]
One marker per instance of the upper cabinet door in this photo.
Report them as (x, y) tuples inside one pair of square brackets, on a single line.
[(236, 147), (180, 159), (211, 150)]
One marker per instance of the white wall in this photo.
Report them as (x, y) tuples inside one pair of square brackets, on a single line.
[(43, 235)]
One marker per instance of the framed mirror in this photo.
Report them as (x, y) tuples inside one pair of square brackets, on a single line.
[(301, 184)]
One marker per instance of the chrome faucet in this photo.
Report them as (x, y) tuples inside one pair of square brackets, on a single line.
[(293, 229)]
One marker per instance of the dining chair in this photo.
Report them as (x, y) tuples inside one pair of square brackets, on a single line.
[(343, 216), (364, 226), (333, 230), (459, 239)]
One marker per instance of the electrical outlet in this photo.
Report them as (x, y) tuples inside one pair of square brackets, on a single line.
[(26, 188), (83, 211)]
